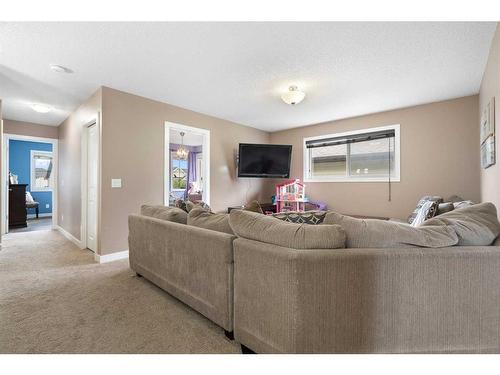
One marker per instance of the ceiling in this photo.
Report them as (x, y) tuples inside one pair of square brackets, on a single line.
[(237, 71), (190, 139)]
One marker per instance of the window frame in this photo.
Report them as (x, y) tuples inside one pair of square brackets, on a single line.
[(33, 187), (172, 159), (396, 177)]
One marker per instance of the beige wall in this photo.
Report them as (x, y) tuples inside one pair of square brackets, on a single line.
[(133, 150), (1, 168), (439, 156), (30, 129), (490, 87), (70, 160)]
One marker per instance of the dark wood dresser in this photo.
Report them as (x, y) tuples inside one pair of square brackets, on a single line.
[(17, 206)]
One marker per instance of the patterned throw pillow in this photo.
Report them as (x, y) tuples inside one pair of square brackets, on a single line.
[(308, 217), (427, 211), (182, 204), (430, 210)]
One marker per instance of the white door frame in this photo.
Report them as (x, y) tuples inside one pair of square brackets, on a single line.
[(206, 158), (5, 172), (84, 170)]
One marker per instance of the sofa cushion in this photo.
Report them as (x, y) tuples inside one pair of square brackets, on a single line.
[(374, 233), (475, 225), (497, 242), (425, 210), (462, 204), (268, 229), (199, 217), (308, 217), (165, 213)]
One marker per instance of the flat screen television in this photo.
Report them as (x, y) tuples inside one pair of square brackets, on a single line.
[(264, 161)]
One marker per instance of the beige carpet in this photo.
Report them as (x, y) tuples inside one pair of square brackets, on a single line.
[(55, 299)]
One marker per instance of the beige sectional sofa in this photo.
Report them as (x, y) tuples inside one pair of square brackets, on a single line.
[(193, 264), (296, 290), (404, 300)]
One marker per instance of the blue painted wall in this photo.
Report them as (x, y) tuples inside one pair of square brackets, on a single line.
[(19, 164)]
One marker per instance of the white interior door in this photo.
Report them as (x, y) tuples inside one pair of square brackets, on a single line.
[(92, 171)]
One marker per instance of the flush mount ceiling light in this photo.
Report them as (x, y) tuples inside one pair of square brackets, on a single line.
[(41, 108), (60, 69), (293, 96), (182, 151)]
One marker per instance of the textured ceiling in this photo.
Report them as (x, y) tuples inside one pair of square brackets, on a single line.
[(190, 139), (237, 71)]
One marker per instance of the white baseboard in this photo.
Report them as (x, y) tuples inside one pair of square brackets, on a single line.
[(32, 216), (69, 236), (111, 257)]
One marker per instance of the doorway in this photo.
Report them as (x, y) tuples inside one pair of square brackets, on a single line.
[(29, 177), (92, 187), (187, 164)]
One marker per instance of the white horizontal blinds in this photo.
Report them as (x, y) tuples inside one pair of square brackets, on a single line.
[(364, 155), (354, 138)]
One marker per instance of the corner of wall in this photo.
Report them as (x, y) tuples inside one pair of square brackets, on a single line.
[(490, 88)]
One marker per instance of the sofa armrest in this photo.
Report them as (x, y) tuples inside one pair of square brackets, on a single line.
[(191, 263), (367, 300)]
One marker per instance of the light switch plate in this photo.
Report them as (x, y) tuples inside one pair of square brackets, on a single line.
[(116, 182)]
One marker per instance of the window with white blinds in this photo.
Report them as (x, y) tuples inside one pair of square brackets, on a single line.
[(363, 155), (41, 171)]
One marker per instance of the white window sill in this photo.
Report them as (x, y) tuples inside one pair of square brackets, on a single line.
[(41, 190), (352, 179)]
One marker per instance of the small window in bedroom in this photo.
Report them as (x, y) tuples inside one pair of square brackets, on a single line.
[(369, 155), (41, 171), (178, 172)]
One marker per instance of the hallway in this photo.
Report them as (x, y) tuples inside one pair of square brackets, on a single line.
[(55, 299)]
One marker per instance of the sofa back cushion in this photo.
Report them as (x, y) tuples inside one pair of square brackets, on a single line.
[(199, 217), (165, 213), (475, 225), (374, 233), (268, 229)]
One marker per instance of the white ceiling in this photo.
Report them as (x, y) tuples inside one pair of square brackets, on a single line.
[(237, 71), (190, 139)]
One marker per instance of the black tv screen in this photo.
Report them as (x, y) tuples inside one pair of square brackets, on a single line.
[(271, 161)]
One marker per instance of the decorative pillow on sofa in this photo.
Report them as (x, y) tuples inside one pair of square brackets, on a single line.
[(253, 206), (444, 208), (188, 205), (268, 229), (474, 225), (165, 213), (425, 210), (308, 217), (374, 233), (199, 217)]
